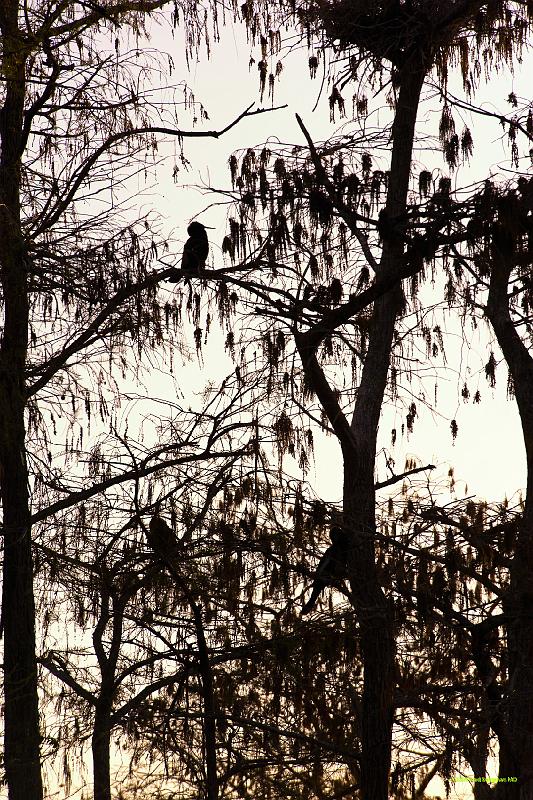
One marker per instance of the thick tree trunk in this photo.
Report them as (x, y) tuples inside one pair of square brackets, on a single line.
[(208, 696), (208, 686), (101, 744), (21, 718), (374, 612), (516, 760), (358, 444)]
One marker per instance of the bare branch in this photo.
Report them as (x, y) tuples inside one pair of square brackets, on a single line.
[(82, 172), (85, 494), (396, 478), (92, 331), (54, 664), (350, 217)]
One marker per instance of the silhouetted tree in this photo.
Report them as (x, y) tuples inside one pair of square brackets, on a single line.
[(76, 278), (331, 219)]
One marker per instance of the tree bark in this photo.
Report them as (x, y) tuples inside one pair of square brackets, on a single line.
[(208, 696), (111, 611), (208, 687), (101, 744), (358, 443), (375, 613), (517, 762), (21, 720)]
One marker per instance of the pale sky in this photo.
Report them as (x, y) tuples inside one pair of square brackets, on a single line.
[(488, 454)]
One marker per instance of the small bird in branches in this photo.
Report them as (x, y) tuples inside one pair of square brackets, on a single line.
[(195, 251), (331, 567), (161, 537)]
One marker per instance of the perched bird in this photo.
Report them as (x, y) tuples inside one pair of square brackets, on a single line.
[(331, 567), (194, 253), (160, 537)]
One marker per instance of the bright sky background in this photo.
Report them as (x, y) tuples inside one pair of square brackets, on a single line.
[(488, 455)]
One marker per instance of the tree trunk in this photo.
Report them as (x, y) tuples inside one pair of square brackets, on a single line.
[(208, 688), (374, 612), (516, 760), (101, 744), (209, 717), (21, 720), (358, 444)]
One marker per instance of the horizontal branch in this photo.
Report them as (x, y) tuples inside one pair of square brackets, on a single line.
[(130, 475), (82, 172), (357, 302), (118, 715), (397, 478)]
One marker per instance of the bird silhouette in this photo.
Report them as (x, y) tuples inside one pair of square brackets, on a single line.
[(161, 537), (331, 567), (194, 252)]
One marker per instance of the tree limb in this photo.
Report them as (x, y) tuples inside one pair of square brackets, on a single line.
[(82, 172)]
